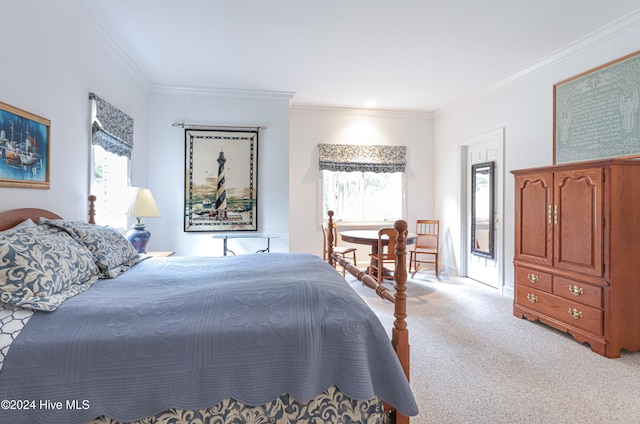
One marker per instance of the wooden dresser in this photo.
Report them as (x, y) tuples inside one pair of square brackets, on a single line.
[(577, 251)]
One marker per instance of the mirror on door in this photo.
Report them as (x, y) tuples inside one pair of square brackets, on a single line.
[(482, 200)]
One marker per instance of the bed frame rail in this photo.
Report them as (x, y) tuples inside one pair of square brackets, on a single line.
[(399, 333)]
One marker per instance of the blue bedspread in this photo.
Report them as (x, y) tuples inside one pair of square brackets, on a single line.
[(189, 332)]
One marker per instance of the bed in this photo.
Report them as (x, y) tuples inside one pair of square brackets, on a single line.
[(93, 332)]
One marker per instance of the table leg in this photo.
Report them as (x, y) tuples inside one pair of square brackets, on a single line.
[(268, 249), (226, 250)]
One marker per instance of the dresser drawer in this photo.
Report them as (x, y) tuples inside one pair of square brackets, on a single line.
[(570, 312), (577, 291), (532, 278)]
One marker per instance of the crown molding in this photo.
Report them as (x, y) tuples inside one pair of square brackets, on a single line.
[(615, 29), (98, 35), (236, 93), (359, 111)]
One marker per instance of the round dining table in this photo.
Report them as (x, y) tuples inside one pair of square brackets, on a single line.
[(370, 237)]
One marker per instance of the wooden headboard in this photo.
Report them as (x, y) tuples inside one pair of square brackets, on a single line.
[(13, 217)]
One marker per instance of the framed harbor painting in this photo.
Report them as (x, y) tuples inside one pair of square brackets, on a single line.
[(221, 168), (24, 148)]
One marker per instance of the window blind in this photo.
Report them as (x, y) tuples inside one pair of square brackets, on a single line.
[(110, 127), (362, 158)]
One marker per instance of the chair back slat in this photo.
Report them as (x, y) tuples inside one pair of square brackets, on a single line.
[(325, 228), (427, 245), (428, 234), (389, 250), (330, 240)]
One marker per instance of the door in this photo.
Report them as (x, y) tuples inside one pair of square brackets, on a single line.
[(578, 218), (534, 218), (488, 148)]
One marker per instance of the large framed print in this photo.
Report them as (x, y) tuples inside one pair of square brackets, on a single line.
[(221, 169), (597, 113), (24, 148)]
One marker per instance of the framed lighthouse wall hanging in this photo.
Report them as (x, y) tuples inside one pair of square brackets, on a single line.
[(221, 168)]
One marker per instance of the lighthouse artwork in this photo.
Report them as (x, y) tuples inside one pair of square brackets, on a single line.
[(221, 195), (220, 180)]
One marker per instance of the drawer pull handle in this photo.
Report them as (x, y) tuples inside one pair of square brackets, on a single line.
[(533, 278), (532, 297), (577, 291), (575, 313)]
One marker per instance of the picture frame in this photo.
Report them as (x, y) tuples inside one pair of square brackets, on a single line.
[(482, 209), (24, 148), (596, 114), (221, 169)]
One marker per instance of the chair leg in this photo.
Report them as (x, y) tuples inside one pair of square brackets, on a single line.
[(371, 269), (354, 263)]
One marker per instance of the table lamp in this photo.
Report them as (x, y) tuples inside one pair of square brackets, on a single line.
[(141, 205)]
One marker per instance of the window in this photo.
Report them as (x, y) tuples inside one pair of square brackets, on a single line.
[(110, 177), (111, 146), (362, 182), (363, 196)]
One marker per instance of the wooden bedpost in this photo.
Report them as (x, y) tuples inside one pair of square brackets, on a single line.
[(400, 334), (330, 241), (92, 209)]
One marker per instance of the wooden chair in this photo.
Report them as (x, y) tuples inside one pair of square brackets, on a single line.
[(427, 245), (384, 254), (339, 250)]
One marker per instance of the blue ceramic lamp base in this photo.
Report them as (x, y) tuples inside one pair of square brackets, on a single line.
[(138, 236)]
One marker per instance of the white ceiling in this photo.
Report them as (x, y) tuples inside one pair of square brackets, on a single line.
[(409, 55)]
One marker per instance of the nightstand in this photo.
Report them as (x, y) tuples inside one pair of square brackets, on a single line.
[(160, 254)]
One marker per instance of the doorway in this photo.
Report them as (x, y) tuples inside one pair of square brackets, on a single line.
[(477, 153)]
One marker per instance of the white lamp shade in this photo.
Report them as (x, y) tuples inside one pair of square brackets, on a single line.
[(142, 204)]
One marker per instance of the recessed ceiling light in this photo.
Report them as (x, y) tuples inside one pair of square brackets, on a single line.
[(370, 103)]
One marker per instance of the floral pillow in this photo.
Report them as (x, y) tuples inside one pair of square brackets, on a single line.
[(112, 252), (24, 224), (40, 268)]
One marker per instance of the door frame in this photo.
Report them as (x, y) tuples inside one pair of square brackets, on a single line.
[(493, 136)]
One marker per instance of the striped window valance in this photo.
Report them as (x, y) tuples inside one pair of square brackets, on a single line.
[(111, 128), (361, 158)]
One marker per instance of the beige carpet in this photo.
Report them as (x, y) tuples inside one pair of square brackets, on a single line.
[(472, 361)]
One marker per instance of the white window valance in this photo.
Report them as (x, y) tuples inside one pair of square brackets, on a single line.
[(111, 128), (362, 158)]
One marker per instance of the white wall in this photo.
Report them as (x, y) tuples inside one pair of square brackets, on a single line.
[(524, 107), (310, 126), (49, 64), (51, 70), (288, 176), (167, 167)]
